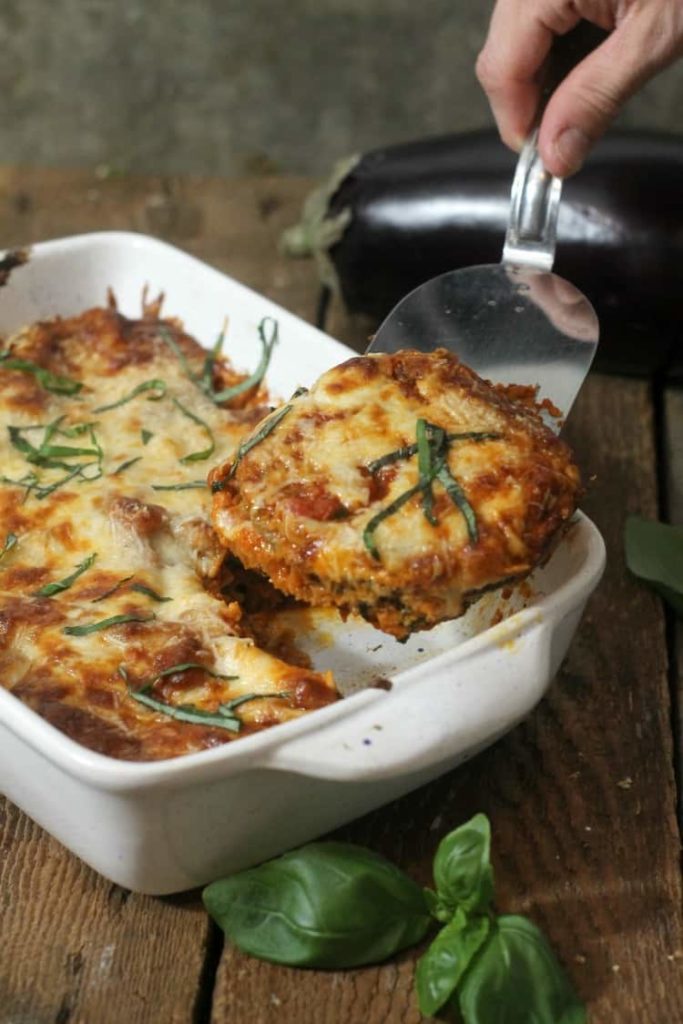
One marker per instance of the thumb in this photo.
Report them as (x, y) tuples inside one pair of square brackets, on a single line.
[(585, 103)]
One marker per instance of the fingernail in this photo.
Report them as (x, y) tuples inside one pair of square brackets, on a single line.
[(571, 146)]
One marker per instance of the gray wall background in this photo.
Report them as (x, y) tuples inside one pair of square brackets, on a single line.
[(227, 87)]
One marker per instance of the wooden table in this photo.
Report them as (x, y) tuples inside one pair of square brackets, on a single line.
[(582, 797)]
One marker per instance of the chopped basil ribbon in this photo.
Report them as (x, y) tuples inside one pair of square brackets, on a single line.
[(148, 385), (47, 455), (190, 485), (51, 456), (205, 452), (223, 717), (146, 436), (457, 496), (114, 620), (425, 459), (112, 590), (251, 442), (46, 491), (204, 381), (76, 430), (126, 465), (10, 540), (50, 589), (167, 336), (371, 526), (431, 448), (411, 449), (254, 379), (50, 381), (173, 670), (142, 588)]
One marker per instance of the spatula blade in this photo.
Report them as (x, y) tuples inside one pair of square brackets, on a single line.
[(511, 325)]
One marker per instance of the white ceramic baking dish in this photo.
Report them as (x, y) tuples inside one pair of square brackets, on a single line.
[(175, 824)]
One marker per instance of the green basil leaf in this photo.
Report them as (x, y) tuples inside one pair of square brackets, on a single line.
[(462, 871), (126, 465), (267, 428), (440, 969), (459, 499), (516, 979), (189, 486), (325, 905), (114, 620), (50, 381), (390, 510), (50, 589), (10, 540), (185, 666), (654, 553), (146, 436), (223, 717), (205, 452), (426, 455), (187, 712), (112, 590), (268, 343), (142, 588), (158, 386)]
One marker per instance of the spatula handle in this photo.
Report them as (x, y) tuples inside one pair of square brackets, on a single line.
[(535, 197)]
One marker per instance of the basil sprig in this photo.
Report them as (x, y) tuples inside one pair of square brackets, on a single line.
[(113, 620), (337, 905), (157, 386), (50, 381), (325, 905), (267, 428), (50, 589), (142, 588), (126, 465), (654, 553), (190, 485), (223, 717), (10, 540), (268, 331), (50, 455), (205, 452), (431, 448)]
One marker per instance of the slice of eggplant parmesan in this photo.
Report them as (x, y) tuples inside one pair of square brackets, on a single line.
[(400, 488)]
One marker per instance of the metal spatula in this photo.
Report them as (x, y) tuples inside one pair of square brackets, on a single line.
[(513, 322)]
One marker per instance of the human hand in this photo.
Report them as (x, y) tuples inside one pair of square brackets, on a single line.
[(645, 36)]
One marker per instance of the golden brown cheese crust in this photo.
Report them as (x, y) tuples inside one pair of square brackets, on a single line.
[(302, 504), (156, 556)]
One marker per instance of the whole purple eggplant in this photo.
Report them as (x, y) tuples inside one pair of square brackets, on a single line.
[(401, 215)]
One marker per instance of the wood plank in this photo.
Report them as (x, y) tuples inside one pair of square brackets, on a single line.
[(74, 947), (581, 797), (673, 450), (77, 948), (233, 224)]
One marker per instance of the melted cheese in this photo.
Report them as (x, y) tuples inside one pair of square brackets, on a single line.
[(299, 504), (139, 535)]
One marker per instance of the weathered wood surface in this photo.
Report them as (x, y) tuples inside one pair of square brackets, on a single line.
[(581, 797), (673, 513)]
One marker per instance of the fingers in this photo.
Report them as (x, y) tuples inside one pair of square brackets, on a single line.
[(590, 97), (508, 66), (648, 35)]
